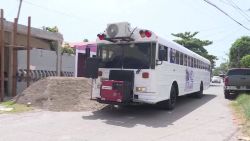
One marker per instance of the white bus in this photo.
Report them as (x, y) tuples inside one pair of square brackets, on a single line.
[(137, 66)]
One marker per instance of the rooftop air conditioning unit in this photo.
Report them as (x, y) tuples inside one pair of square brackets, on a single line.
[(118, 30)]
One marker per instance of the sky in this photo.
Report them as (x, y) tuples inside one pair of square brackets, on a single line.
[(84, 19)]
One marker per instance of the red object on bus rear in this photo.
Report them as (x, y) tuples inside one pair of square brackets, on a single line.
[(226, 80), (115, 91), (109, 93)]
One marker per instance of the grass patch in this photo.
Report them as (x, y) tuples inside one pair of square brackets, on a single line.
[(17, 108), (241, 107)]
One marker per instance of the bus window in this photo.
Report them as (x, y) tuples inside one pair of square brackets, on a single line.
[(185, 60), (189, 61), (198, 64), (177, 57), (195, 63), (161, 47), (172, 55), (166, 53), (181, 58), (192, 62)]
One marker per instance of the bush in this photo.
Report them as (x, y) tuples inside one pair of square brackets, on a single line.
[(245, 61), (244, 102)]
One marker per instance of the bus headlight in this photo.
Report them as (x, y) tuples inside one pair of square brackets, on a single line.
[(141, 89)]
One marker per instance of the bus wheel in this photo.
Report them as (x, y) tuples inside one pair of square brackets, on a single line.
[(199, 94), (172, 99), (170, 103)]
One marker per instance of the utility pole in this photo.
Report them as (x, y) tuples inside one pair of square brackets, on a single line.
[(19, 9), (12, 55), (2, 57), (28, 52)]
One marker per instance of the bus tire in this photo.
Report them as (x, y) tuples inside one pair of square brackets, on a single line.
[(199, 94), (170, 103)]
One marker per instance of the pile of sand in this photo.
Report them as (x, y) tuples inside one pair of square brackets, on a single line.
[(60, 94)]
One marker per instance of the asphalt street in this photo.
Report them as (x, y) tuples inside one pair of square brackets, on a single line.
[(206, 119)]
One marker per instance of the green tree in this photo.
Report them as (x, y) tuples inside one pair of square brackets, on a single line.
[(222, 69), (55, 30), (239, 49), (85, 40), (51, 29), (67, 49), (245, 61), (188, 40)]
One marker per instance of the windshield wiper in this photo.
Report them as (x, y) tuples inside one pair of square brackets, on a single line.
[(138, 71)]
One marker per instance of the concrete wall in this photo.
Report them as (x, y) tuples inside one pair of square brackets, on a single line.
[(34, 42), (42, 61)]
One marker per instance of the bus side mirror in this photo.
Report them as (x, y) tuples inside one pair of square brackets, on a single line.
[(161, 55), (92, 67)]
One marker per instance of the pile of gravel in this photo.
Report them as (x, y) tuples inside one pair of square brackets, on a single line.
[(60, 94)]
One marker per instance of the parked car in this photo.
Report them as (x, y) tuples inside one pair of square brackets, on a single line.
[(236, 80), (216, 79)]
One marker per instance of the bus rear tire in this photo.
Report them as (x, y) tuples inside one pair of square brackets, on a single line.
[(199, 94), (170, 103)]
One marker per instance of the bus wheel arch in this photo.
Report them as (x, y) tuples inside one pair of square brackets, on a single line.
[(170, 103), (199, 94)]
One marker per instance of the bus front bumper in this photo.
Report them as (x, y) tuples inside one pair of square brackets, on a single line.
[(149, 98)]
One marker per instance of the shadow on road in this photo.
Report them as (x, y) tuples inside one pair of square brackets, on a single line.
[(148, 115)]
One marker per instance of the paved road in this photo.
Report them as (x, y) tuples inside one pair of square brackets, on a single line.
[(206, 119)]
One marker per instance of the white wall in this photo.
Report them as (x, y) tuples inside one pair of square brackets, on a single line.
[(42, 60)]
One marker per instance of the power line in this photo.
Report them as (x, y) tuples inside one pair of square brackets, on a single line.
[(222, 31), (195, 9), (53, 10), (226, 14), (235, 6)]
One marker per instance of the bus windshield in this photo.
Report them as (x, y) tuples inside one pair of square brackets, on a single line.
[(128, 56)]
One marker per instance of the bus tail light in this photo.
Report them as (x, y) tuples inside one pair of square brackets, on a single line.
[(145, 33), (145, 75), (99, 73), (101, 36), (226, 80), (148, 33)]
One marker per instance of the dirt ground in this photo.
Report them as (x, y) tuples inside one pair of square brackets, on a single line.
[(60, 94)]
